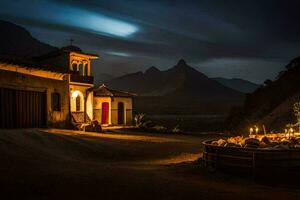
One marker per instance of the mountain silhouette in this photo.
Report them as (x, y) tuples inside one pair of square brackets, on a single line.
[(16, 41), (238, 84), (178, 80), (180, 89)]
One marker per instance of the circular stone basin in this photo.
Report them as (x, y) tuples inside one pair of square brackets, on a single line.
[(252, 160)]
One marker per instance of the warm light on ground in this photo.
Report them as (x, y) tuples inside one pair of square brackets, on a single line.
[(141, 138)]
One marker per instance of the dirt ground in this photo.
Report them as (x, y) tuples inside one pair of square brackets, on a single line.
[(61, 164)]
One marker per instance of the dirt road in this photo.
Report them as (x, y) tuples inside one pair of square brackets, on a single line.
[(61, 164)]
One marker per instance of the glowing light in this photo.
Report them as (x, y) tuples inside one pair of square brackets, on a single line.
[(251, 131), (75, 94), (100, 23), (94, 22), (121, 54), (71, 16)]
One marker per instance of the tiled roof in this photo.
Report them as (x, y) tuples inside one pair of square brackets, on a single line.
[(26, 63), (104, 91), (66, 49)]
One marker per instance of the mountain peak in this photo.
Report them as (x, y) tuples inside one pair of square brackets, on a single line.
[(152, 70), (182, 66), (17, 41), (181, 62)]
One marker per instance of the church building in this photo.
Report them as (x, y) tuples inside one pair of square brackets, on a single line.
[(57, 89)]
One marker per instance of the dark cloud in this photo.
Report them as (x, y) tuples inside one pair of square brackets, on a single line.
[(249, 39)]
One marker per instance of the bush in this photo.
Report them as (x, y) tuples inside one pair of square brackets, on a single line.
[(176, 129), (139, 119)]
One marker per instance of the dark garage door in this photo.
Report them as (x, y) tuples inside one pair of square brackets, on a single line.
[(22, 109)]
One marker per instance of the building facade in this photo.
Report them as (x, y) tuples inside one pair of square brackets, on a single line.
[(112, 107), (30, 97), (58, 90)]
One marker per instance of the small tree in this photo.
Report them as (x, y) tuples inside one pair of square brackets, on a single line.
[(296, 108), (139, 119)]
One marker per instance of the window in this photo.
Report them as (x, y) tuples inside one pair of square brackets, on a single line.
[(78, 103), (86, 69), (74, 67), (56, 101), (80, 69)]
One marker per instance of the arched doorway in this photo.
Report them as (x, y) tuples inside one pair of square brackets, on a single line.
[(105, 113), (77, 106), (78, 103), (120, 113)]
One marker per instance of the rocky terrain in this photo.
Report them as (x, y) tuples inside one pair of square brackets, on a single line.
[(271, 104)]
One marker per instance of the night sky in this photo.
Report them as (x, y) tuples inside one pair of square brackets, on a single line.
[(253, 39)]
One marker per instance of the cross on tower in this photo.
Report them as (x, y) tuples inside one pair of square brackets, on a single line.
[(71, 41)]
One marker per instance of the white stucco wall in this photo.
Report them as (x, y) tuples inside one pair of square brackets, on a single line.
[(113, 109), (98, 108)]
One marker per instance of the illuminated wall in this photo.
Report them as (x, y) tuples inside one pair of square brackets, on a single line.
[(98, 108), (75, 93), (35, 80), (89, 105), (113, 109), (127, 112)]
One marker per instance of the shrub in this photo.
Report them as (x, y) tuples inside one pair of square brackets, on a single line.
[(139, 119), (176, 129)]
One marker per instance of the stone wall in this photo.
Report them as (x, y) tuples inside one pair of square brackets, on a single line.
[(23, 81)]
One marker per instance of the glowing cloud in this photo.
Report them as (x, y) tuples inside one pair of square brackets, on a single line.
[(115, 53), (62, 14), (110, 26), (94, 22)]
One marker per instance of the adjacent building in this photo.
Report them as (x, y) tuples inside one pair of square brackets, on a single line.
[(112, 106), (57, 89)]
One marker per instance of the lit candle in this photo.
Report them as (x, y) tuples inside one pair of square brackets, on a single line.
[(251, 131), (256, 130), (292, 131)]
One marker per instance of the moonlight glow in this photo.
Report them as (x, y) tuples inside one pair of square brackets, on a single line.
[(73, 17)]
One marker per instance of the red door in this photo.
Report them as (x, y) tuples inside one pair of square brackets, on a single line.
[(105, 113)]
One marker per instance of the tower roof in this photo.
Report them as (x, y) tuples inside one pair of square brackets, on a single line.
[(75, 49), (72, 48), (104, 91)]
